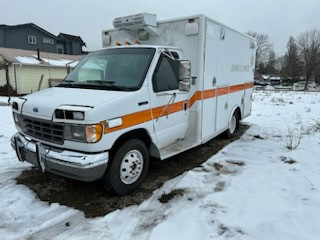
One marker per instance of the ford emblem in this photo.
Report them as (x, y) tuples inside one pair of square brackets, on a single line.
[(35, 109)]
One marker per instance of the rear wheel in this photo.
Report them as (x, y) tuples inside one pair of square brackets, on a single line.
[(128, 168), (233, 125)]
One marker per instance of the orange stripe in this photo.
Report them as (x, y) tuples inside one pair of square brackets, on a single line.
[(193, 99), (209, 93), (223, 91), (249, 85), (133, 119), (165, 110), (237, 88)]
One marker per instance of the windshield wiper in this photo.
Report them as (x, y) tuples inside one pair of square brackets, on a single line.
[(102, 82), (67, 82)]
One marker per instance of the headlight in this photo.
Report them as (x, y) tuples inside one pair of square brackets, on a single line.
[(66, 114), (83, 133), (78, 115), (75, 133)]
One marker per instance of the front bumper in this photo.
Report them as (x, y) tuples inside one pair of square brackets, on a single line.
[(75, 165)]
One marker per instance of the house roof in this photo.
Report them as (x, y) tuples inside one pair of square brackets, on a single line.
[(61, 37), (30, 25), (274, 78), (265, 77), (71, 38), (20, 56)]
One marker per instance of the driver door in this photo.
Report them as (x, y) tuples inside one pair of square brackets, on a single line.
[(169, 105)]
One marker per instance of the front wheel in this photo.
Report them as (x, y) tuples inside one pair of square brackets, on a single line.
[(128, 168), (233, 125)]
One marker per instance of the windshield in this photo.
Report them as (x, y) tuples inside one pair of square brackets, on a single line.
[(114, 69)]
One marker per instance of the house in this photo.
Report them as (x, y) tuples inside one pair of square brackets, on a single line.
[(32, 37), (259, 80), (70, 44), (265, 77), (25, 71)]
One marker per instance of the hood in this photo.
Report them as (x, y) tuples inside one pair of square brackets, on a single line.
[(43, 103)]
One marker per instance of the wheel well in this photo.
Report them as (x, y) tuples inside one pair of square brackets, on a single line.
[(238, 111), (140, 134)]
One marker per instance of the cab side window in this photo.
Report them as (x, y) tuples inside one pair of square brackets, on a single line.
[(166, 75)]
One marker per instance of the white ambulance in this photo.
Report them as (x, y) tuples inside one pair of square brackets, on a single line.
[(156, 89)]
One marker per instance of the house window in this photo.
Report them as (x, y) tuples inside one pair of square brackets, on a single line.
[(32, 40), (60, 49), (48, 41)]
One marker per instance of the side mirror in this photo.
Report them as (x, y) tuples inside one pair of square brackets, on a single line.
[(184, 75)]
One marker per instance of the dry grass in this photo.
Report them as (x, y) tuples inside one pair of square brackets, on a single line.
[(293, 138)]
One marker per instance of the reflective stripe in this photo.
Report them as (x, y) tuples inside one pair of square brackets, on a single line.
[(223, 91), (208, 93), (237, 88), (131, 120), (165, 110), (136, 118)]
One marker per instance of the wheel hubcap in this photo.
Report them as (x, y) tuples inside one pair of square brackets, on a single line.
[(131, 167), (233, 124)]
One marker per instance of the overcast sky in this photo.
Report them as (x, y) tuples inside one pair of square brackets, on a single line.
[(277, 18)]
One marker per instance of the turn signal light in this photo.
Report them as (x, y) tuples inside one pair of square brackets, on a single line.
[(93, 133)]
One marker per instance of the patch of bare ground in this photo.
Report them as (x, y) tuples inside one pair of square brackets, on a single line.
[(171, 195), (287, 160), (257, 137), (238, 163), (94, 200), (219, 186)]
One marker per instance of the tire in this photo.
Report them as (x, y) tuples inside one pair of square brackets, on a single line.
[(128, 168), (233, 125)]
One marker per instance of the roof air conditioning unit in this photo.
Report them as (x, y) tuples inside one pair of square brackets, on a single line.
[(140, 21)]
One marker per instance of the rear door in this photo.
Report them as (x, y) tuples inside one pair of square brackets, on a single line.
[(224, 79), (247, 99), (249, 87), (209, 82)]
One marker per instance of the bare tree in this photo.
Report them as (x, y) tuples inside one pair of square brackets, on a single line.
[(264, 45), (309, 51), (317, 75), (271, 64), (291, 67)]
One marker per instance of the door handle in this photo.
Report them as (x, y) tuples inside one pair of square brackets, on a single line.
[(185, 106), (214, 81), (143, 103)]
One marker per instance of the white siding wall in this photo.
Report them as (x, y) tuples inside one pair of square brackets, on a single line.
[(3, 80), (29, 77)]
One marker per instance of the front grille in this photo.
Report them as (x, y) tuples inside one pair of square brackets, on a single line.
[(42, 129)]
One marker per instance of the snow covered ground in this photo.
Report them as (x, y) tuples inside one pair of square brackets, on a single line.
[(266, 185)]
